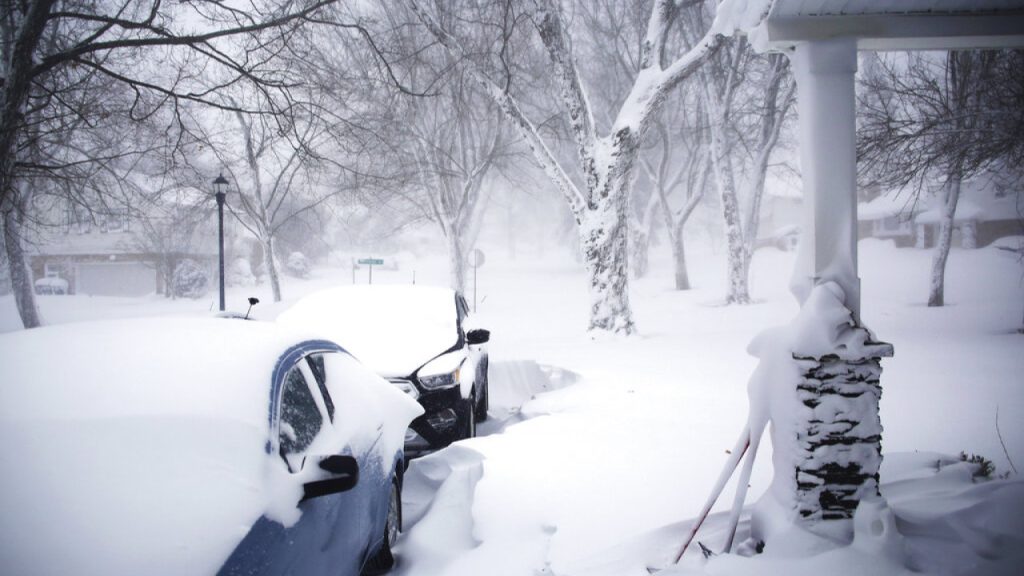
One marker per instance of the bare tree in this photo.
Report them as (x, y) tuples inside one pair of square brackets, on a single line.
[(679, 172), (457, 143), (159, 54), (167, 226), (605, 162), (922, 117), (733, 91), (279, 170)]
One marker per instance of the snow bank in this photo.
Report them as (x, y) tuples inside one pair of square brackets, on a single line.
[(116, 461), (138, 447)]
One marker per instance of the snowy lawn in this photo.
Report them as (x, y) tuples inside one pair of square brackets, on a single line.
[(599, 452)]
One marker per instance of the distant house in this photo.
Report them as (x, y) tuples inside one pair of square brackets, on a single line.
[(985, 212), (781, 212), (108, 253), (888, 216)]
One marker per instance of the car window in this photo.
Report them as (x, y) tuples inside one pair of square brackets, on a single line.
[(300, 417), (316, 365)]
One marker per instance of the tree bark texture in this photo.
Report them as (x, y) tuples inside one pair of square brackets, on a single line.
[(737, 291), (21, 274), (14, 91), (603, 239)]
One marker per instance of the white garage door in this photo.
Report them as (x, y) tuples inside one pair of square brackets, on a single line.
[(115, 279)]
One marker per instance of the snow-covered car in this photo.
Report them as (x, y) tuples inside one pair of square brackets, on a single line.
[(417, 337), (195, 446), (51, 285)]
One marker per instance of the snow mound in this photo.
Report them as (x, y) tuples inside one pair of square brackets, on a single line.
[(446, 524), (437, 503), (516, 382)]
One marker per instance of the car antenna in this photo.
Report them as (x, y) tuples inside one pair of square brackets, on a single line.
[(252, 302)]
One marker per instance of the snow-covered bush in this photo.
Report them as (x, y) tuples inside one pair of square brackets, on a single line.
[(239, 273), (190, 279), (297, 265), (983, 466)]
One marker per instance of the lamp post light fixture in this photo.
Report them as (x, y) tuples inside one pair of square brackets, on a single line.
[(219, 186)]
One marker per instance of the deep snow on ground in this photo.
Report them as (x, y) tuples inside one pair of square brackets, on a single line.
[(599, 452)]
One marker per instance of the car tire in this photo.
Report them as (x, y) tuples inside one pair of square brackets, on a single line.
[(383, 560), (483, 393)]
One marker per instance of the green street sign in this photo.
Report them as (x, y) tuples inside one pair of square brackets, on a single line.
[(372, 261)]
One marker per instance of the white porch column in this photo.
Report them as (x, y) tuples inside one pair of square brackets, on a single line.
[(824, 71)]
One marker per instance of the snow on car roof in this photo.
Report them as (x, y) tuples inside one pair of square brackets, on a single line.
[(184, 366), (135, 446), (393, 329)]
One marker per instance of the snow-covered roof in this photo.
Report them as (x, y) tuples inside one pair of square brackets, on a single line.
[(861, 7), (886, 206), (966, 211), (895, 25), (979, 200)]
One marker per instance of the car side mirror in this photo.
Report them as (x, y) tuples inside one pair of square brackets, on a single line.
[(478, 336), (344, 475)]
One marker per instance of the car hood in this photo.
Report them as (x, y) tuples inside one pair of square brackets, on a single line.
[(393, 330), (128, 495)]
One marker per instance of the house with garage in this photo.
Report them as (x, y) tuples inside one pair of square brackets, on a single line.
[(987, 210), (125, 251)]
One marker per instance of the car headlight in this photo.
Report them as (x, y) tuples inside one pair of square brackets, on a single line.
[(436, 381)]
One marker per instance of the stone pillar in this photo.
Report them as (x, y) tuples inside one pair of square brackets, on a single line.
[(840, 440), (837, 428)]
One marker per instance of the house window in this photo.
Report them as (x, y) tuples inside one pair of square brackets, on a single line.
[(114, 221), (52, 270), (78, 221)]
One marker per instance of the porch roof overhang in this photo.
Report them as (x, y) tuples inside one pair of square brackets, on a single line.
[(894, 25)]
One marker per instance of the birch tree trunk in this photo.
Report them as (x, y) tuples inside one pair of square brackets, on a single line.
[(720, 85), (737, 291), (604, 240), (937, 287), (21, 274)]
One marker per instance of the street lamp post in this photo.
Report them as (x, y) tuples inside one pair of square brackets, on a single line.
[(219, 193)]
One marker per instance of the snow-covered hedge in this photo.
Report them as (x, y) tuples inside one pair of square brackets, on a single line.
[(190, 280), (297, 265)]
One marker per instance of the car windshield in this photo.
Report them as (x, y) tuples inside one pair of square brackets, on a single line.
[(392, 329)]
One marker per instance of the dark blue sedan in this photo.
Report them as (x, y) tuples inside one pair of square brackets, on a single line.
[(195, 446)]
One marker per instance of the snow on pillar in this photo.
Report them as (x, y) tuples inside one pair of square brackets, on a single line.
[(824, 71), (826, 432)]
